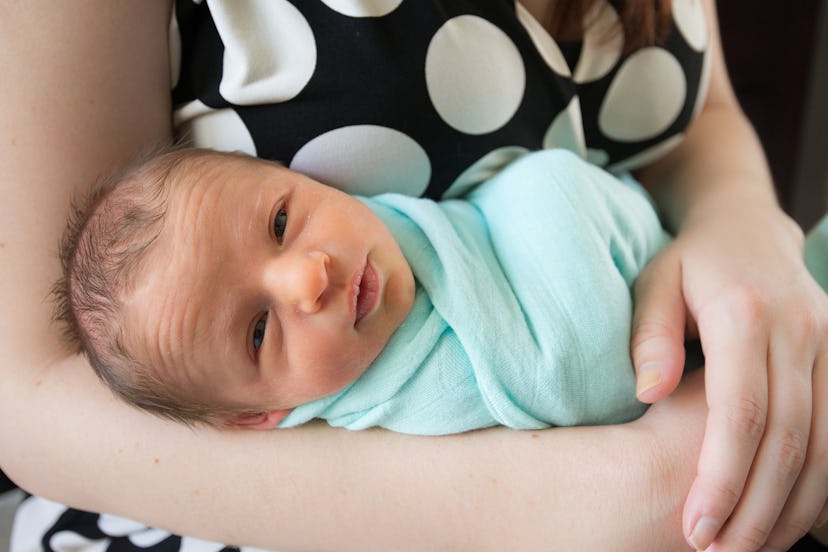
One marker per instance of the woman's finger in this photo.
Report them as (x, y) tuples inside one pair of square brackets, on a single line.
[(784, 445), (808, 499), (658, 329), (734, 336)]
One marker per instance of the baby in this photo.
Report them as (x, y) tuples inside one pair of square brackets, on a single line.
[(224, 289)]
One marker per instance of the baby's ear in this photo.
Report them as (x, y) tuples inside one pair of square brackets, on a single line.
[(260, 420)]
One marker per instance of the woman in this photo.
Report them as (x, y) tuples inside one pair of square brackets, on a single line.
[(97, 92)]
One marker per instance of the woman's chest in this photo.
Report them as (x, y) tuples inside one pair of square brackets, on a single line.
[(420, 97)]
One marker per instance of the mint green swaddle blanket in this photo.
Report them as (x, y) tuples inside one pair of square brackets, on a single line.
[(522, 309), (523, 305)]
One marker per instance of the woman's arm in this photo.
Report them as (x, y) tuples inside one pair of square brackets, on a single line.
[(608, 488), (84, 90), (735, 276)]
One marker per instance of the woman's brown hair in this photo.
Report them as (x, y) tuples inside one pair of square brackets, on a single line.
[(644, 22)]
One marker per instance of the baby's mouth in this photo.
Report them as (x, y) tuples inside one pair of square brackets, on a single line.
[(366, 294)]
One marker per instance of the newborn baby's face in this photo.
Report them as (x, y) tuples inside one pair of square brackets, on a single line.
[(266, 289)]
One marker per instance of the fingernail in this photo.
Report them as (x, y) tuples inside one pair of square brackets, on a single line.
[(648, 377), (704, 532)]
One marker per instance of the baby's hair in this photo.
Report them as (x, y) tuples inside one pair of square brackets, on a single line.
[(109, 234)]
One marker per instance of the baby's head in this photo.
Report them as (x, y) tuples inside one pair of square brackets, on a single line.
[(223, 289)]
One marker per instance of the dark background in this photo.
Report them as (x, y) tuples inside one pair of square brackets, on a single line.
[(768, 49)]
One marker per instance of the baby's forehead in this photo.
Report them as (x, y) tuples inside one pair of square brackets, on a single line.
[(193, 180), (209, 207), (224, 172), (197, 170), (172, 285), (184, 188)]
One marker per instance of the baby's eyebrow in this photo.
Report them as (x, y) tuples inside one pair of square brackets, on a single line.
[(216, 314), (255, 214), (218, 342)]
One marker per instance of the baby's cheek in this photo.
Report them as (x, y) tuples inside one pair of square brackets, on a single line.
[(330, 370)]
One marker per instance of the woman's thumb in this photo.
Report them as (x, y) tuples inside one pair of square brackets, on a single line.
[(658, 329)]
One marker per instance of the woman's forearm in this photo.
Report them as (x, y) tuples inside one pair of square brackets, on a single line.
[(618, 488)]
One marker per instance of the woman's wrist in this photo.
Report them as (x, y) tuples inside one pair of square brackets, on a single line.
[(672, 431)]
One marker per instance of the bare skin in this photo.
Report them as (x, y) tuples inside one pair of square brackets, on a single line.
[(763, 472), (77, 108), (312, 287)]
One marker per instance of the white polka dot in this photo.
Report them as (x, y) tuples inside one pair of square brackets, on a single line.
[(649, 155), (269, 50), (218, 129), (690, 20), (645, 97), (33, 518), (545, 44), (151, 537), (363, 8), (597, 157), (483, 169), (68, 540), (175, 50), (602, 45), (366, 160), (474, 74), (117, 526), (567, 130), (139, 534)]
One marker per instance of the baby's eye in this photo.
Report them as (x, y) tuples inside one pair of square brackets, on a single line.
[(259, 333), (279, 225)]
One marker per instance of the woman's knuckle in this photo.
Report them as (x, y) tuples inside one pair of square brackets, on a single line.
[(790, 452), (803, 329), (745, 302), (750, 538), (748, 416), (739, 308), (647, 331), (726, 492), (791, 530)]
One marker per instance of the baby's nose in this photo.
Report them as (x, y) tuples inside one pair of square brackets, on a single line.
[(302, 281)]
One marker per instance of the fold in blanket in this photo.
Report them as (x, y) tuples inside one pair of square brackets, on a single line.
[(523, 305)]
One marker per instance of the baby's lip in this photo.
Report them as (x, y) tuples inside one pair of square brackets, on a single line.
[(366, 292)]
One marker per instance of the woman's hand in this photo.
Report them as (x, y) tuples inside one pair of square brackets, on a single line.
[(735, 277)]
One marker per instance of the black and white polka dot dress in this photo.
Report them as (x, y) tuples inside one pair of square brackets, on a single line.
[(426, 97), (423, 97)]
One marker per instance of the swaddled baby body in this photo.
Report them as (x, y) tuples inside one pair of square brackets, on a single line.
[(250, 295)]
